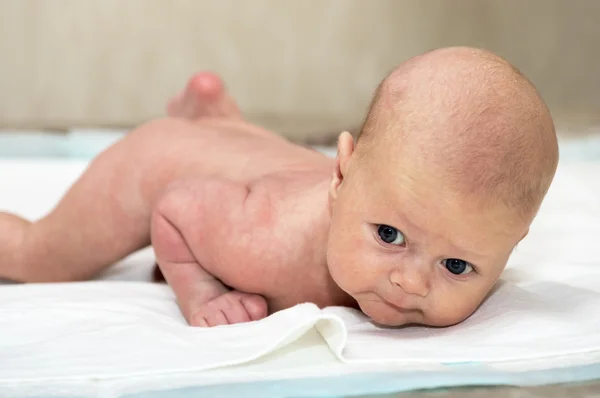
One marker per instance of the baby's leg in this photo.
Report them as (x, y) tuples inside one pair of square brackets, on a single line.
[(204, 96), (103, 217)]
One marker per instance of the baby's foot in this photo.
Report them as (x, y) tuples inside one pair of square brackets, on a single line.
[(12, 234), (229, 308), (204, 96)]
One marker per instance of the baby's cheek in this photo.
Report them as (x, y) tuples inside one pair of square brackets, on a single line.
[(345, 269), (451, 309), (348, 256), (336, 264)]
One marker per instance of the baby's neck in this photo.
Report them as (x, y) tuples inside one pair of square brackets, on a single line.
[(305, 276)]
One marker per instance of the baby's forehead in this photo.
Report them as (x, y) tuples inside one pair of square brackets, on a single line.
[(425, 207), (481, 153)]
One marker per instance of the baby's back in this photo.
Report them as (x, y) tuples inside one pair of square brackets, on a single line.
[(175, 149)]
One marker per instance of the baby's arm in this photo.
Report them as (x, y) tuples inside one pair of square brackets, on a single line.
[(184, 233)]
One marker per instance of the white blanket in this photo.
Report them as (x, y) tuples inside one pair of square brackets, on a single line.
[(123, 335)]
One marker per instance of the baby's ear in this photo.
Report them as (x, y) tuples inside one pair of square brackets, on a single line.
[(342, 162)]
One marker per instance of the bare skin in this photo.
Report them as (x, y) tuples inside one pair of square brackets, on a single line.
[(221, 200), (244, 223)]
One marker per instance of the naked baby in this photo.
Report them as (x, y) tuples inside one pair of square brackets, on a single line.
[(412, 223)]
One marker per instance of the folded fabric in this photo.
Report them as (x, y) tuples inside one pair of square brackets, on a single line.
[(81, 332)]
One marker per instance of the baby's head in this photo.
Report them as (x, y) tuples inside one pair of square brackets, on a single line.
[(453, 161)]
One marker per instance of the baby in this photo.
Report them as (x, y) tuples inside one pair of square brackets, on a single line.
[(413, 223)]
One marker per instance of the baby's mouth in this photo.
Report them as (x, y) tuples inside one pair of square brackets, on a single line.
[(397, 306), (376, 298)]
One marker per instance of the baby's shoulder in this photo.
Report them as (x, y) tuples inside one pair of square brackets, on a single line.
[(294, 207), (289, 193)]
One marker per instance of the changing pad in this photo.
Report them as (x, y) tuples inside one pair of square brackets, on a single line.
[(122, 336)]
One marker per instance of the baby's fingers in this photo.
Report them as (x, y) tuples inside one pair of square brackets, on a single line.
[(230, 308), (210, 319), (235, 312), (255, 306)]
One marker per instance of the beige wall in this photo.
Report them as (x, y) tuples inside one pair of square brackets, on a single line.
[(298, 66)]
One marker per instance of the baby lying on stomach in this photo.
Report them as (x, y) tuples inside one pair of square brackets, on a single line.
[(412, 223)]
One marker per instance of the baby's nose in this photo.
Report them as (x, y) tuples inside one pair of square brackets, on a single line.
[(411, 280)]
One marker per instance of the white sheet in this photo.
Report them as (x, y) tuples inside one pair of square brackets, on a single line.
[(109, 337)]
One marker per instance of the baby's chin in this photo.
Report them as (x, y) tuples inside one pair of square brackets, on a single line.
[(383, 314)]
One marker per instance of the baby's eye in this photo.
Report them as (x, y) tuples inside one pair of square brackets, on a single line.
[(390, 235), (457, 267)]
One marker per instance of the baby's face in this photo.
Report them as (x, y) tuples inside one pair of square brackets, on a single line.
[(409, 251)]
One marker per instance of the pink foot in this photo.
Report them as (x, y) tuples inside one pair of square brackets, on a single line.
[(204, 96)]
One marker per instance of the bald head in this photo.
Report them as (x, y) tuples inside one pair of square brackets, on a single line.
[(470, 116)]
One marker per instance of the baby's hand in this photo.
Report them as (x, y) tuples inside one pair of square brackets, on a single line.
[(229, 308)]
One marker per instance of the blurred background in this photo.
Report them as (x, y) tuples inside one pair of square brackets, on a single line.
[(305, 68)]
